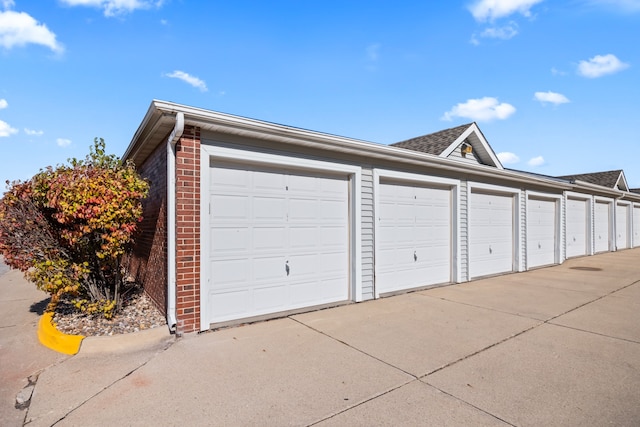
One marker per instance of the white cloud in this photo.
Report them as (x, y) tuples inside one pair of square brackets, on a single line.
[(505, 33), (536, 161), (6, 130), (551, 98), (187, 78), (63, 142), (507, 158), (33, 132), (116, 7), (490, 10), (483, 109), (601, 65), (3, 104), (622, 5), (20, 29)]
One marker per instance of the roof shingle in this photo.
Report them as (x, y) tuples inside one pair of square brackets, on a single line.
[(607, 179), (433, 143)]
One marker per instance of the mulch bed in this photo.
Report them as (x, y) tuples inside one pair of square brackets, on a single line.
[(138, 313)]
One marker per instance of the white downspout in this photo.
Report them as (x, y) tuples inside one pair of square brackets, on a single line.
[(171, 220)]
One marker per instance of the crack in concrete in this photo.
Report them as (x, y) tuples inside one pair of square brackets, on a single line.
[(354, 348), (108, 386), (423, 377), (468, 403)]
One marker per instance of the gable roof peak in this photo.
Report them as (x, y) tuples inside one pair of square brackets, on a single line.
[(610, 179), (434, 143), (444, 142)]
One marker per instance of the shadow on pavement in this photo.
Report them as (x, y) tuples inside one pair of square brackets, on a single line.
[(39, 307)]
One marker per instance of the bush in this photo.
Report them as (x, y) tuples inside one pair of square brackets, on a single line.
[(68, 227)]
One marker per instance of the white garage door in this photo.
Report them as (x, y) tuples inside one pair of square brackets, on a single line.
[(622, 228), (601, 221), (278, 241), (414, 237), (491, 234), (636, 226), (541, 232), (577, 227)]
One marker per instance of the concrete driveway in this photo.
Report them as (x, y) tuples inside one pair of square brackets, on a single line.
[(555, 346)]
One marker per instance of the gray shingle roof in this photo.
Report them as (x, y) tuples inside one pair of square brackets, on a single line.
[(635, 190), (606, 179), (433, 143)]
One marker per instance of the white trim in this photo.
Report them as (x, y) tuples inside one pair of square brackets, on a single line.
[(452, 184), (473, 128), (208, 152), (558, 259), (455, 144), (213, 121), (624, 182), (478, 187)]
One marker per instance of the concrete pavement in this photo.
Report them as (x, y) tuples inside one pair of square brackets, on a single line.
[(21, 355), (554, 346)]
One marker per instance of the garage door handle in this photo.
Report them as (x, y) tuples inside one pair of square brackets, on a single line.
[(286, 267), (490, 250), (415, 256)]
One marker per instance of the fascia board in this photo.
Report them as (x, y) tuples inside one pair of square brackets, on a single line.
[(146, 130), (235, 125), (588, 186)]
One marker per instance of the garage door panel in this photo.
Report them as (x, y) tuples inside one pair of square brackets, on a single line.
[(332, 237), (268, 238), (302, 184), (266, 269), (267, 182), (230, 207), (577, 227), (622, 230), (541, 232), (414, 236), (491, 233), (283, 217), (301, 238), (602, 221), (267, 209), (230, 272), (236, 240), (231, 304), (229, 179), (302, 210), (636, 226), (332, 209), (398, 236), (270, 299)]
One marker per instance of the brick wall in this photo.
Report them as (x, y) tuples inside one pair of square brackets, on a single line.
[(188, 230), (148, 261)]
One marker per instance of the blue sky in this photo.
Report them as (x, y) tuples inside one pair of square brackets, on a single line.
[(553, 85)]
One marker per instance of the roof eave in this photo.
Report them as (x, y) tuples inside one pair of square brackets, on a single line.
[(163, 112)]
